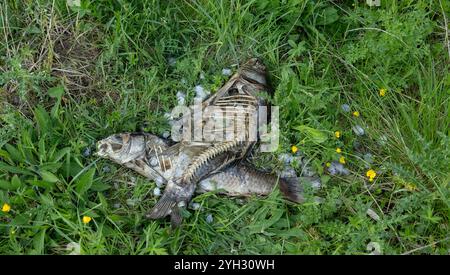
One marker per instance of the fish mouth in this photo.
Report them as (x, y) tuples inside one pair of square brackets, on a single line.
[(102, 147)]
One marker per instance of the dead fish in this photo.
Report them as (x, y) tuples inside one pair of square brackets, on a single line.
[(158, 160), (152, 157), (240, 95)]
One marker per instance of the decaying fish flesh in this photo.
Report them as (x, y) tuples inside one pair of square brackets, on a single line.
[(236, 103), (183, 165), (158, 161), (237, 100), (244, 180)]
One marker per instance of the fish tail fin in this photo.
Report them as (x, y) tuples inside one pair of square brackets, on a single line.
[(163, 207), (291, 189)]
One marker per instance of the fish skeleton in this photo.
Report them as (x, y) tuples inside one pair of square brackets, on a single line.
[(235, 102), (156, 159)]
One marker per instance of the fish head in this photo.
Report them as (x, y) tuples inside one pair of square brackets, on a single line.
[(121, 148), (254, 71)]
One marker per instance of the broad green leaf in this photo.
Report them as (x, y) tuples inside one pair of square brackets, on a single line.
[(314, 135), (49, 176), (42, 151), (15, 182), (99, 186), (61, 153), (56, 92), (43, 120), (52, 167), (293, 232), (26, 146), (4, 154), (265, 222), (85, 181), (14, 153), (47, 200), (103, 201), (13, 169), (21, 219), (5, 185), (38, 242), (41, 183), (327, 16)]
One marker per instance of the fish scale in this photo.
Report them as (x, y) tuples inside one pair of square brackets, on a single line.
[(237, 180)]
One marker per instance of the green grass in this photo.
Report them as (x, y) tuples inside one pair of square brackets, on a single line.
[(72, 75)]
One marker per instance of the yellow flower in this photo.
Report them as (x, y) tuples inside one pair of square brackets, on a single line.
[(383, 92), (410, 186), (6, 207), (356, 114), (86, 219), (294, 149), (342, 160), (337, 134), (338, 150), (371, 174), (328, 164)]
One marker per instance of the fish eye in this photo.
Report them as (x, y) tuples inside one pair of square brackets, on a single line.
[(117, 139)]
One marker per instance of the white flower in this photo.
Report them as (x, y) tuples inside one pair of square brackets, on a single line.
[(373, 3), (288, 172), (383, 140), (209, 218), (345, 108), (159, 182), (286, 158), (368, 158), (194, 206), (74, 248), (74, 3), (168, 116), (373, 214), (200, 92), (157, 192), (358, 130), (181, 97), (226, 71), (132, 202), (172, 60), (316, 183), (337, 168)]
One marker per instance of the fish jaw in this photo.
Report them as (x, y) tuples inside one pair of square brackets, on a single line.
[(121, 148)]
